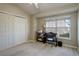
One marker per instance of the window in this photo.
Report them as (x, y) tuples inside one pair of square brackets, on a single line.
[(60, 25), (51, 25)]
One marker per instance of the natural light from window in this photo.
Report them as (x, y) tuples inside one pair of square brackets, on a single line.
[(59, 25)]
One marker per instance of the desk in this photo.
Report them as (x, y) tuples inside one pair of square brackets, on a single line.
[(44, 37)]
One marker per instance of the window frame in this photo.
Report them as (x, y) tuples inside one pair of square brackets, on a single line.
[(55, 19)]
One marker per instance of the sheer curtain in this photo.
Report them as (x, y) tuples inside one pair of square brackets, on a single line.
[(50, 25)]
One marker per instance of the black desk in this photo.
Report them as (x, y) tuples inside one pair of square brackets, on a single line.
[(44, 37)]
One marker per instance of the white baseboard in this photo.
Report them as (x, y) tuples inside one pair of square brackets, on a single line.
[(69, 46)]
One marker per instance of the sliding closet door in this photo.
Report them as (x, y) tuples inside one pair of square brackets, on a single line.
[(2, 32), (19, 30), (12, 30), (6, 31)]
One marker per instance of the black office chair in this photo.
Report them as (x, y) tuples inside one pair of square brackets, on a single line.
[(51, 38)]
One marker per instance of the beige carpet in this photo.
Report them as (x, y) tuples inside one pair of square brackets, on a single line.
[(38, 49)]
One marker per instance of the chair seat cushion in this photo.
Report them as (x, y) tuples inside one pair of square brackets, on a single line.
[(49, 39)]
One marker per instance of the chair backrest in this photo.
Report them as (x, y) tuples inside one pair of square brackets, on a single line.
[(51, 35)]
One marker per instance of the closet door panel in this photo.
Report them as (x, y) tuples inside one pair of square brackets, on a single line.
[(19, 30), (11, 39), (6, 30), (3, 34), (12, 30)]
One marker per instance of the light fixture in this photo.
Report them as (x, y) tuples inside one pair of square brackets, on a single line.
[(36, 5)]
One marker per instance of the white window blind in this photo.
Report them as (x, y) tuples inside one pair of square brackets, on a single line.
[(59, 25)]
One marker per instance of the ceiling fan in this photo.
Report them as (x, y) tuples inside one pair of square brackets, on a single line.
[(35, 4)]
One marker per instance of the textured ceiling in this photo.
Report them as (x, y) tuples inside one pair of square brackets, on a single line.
[(43, 7)]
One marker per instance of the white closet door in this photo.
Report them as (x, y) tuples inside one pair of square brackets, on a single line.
[(19, 30), (12, 30), (6, 31), (3, 34)]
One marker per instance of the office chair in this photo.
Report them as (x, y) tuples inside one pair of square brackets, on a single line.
[(51, 38)]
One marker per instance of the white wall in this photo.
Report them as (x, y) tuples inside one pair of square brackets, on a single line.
[(33, 28), (78, 29), (13, 30)]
